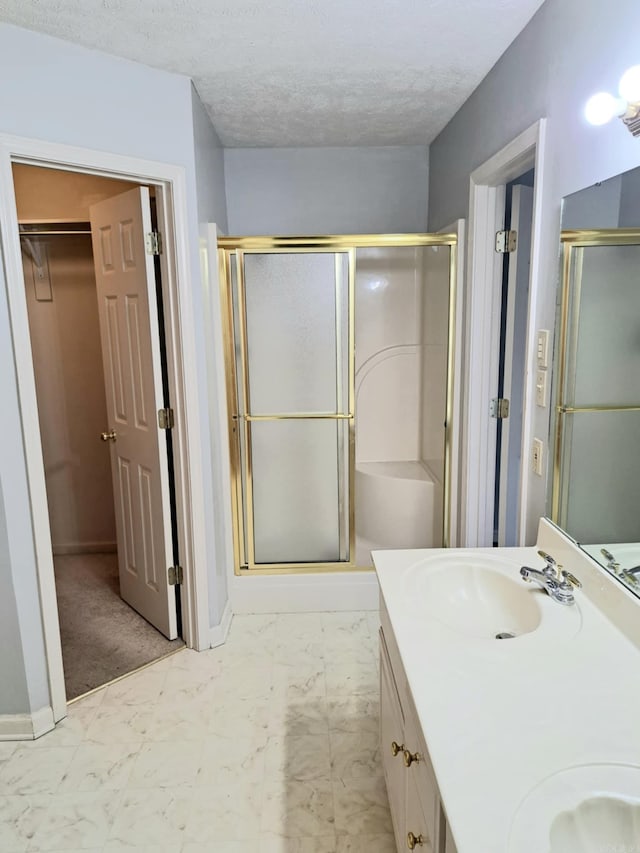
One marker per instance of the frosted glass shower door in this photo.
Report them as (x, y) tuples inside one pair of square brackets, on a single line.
[(293, 324)]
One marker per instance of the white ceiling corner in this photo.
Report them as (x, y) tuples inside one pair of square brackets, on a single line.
[(302, 72)]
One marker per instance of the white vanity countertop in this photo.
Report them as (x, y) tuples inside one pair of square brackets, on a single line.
[(499, 717)]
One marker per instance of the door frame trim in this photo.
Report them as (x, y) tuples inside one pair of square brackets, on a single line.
[(171, 193), (484, 272), (510, 311)]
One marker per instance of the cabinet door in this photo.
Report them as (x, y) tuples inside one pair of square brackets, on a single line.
[(391, 733), (421, 771), (418, 835)]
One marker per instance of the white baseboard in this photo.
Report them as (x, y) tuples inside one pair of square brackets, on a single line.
[(219, 633), (26, 726), (305, 593), (65, 548)]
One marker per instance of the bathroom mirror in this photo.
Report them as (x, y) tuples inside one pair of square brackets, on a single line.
[(596, 477)]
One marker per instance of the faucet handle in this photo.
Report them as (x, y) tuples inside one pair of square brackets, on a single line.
[(572, 579), (612, 563), (551, 567)]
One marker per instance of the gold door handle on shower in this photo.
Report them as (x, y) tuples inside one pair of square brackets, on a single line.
[(108, 436)]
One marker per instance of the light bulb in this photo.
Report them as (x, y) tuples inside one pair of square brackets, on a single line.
[(602, 107), (629, 86)]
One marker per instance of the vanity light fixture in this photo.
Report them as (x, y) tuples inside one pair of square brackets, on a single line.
[(602, 107)]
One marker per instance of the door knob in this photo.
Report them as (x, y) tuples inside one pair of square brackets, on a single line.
[(108, 436), (414, 841)]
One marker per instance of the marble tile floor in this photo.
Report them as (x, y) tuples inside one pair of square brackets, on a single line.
[(267, 744)]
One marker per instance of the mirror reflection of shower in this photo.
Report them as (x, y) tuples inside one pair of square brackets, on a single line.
[(402, 320)]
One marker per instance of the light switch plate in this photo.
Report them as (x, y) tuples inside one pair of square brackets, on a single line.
[(536, 456), (543, 348), (541, 388)]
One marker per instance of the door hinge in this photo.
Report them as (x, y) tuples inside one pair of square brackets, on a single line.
[(175, 575), (153, 243), (500, 408), (165, 418), (506, 241)]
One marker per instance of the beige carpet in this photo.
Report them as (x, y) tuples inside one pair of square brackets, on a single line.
[(102, 637)]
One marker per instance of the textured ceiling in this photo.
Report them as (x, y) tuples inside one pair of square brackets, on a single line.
[(302, 72)]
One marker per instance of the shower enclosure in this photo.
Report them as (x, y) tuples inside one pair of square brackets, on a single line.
[(339, 354)]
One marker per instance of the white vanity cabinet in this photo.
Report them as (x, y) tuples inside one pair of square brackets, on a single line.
[(418, 818), (392, 744), (454, 701)]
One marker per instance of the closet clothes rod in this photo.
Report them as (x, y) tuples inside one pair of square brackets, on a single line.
[(53, 230)]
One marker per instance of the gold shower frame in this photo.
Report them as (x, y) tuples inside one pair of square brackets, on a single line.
[(572, 244), (244, 563)]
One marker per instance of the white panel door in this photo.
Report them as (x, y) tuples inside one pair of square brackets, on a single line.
[(129, 332), (517, 310)]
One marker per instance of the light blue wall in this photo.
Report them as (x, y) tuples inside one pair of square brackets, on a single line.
[(595, 207), (209, 167), (326, 190), (630, 200), (568, 51), (212, 208), (59, 92)]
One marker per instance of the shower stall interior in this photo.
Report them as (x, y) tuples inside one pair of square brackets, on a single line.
[(339, 364)]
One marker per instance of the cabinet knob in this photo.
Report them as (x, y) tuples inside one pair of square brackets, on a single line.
[(414, 840), (409, 757), (396, 748)]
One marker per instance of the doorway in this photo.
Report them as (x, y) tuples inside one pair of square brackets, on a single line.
[(483, 298), (98, 364), (516, 250), (179, 272)]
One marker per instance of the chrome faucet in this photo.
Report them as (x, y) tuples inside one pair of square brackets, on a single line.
[(614, 566), (553, 579)]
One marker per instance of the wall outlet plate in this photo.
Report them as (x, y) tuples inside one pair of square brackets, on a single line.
[(537, 452)]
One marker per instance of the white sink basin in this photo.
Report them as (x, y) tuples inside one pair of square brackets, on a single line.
[(586, 809), (483, 597)]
